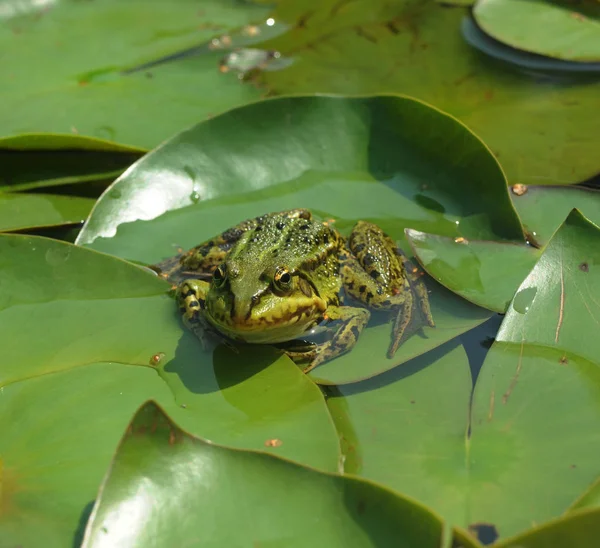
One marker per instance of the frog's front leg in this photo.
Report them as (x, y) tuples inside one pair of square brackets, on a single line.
[(353, 320), (191, 297)]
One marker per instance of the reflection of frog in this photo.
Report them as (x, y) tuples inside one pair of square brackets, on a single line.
[(277, 276)]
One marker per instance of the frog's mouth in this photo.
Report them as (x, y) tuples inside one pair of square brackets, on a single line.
[(270, 320)]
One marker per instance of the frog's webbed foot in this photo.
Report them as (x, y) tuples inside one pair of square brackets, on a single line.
[(415, 278), (353, 321)]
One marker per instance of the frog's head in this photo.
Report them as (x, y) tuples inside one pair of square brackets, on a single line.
[(260, 303)]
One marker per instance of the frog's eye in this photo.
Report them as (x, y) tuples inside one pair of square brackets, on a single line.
[(219, 275), (282, 278)]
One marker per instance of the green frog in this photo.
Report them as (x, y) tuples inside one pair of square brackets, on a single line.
[(276, 277)]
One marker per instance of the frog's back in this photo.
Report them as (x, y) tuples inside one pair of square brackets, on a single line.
[(304, 246)]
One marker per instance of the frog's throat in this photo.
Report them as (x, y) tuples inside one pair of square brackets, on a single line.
[(270, 324)]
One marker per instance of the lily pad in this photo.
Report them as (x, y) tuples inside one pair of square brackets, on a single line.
[(577, 529), (268, 498), (106, 340), (380, 165), (483, 272), (543, 209), (531, 436), (529, 61), (488, 273), (51, 86), (19, 211), (34, 169), (546, 28), (416, 48)]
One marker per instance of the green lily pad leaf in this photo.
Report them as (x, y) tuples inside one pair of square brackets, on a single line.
[(51, 86), (380, 166), (561, 293), (60, 141), (418, 50), (576, 529), (590, 498), (544, 28), (492, 47), (456, 2), (416, 417), (106, 339), (375, 139), (19, 211), (268, 495), (542, 209), (483, 272), (531, 391), (32, 169)]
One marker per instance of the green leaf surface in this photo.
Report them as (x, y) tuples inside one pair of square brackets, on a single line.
[(545, 28), (529, 449), (414, 416), (529, 61), (161, 473), (51, 86), (489, 273), (590, 498), (19, 211), (106, 339), (483, 272), (380, 165), (413, 47), (561, 293), (577, 529), (63, 141), (33, 169), (543, 209)]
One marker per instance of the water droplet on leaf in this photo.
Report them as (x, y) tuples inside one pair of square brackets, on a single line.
[(523, 299)]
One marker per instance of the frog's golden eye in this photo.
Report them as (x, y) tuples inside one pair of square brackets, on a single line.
[(220, 275), (282, 278)]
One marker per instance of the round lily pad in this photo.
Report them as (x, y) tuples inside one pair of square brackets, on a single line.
[(554, 29), (388, 159)]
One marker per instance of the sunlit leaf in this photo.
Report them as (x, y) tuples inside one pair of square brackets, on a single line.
[(86, 339), (51, 86), (19, 210), (539, 127), (529, 449), (554, 29), (483, 272), (380, 164), (160, 474)]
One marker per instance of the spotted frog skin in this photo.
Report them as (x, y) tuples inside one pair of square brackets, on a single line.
[(277, 276)]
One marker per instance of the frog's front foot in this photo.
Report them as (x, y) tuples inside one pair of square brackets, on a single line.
[(190, 297), (353, 321)]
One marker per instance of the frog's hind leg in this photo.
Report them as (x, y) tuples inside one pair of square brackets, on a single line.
[(369, 291), (377, 273), (415, 278)]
